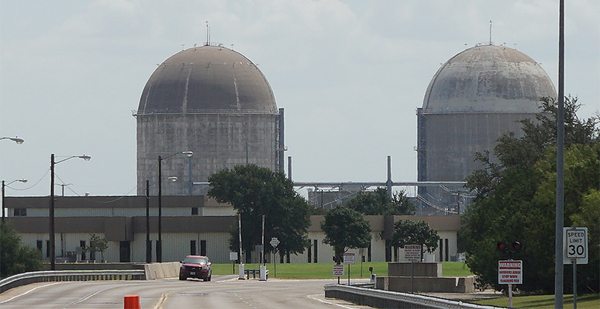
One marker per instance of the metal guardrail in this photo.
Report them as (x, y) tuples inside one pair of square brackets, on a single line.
[(388, 299), (69, 275)]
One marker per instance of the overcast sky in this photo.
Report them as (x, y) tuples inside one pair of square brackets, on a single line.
[(350, 75)]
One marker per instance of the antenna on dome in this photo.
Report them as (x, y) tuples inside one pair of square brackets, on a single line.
[(490, 32), (207, 34)]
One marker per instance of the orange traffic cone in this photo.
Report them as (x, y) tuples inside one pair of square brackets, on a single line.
[(132, 302)]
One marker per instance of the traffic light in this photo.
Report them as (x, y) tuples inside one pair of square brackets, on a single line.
[(517, 246)]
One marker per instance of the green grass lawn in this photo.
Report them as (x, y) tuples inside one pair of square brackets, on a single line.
[(588, 301), (325, 270)]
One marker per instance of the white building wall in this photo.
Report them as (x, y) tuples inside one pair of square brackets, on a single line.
[(129, 212), (68, 242), (177, 245)]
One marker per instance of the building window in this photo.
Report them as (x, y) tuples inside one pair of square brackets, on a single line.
[(315, 250), (203, 247), (193, 247), (82, 245), (40, 244), (194, 211), (309, 251), (47, 248), (20, 212)]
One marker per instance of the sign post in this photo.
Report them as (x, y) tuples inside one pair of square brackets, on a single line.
[(274, 242), (575, 245), (349, 260), (510, 272), (233, 256), (412, 253)]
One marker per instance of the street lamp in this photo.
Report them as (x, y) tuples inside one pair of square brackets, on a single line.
[(159, 242), (3, 188), (189, 154), (52, 243), (14, 139)]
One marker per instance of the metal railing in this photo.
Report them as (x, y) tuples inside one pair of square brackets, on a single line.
[(69, 275), (388, 299)]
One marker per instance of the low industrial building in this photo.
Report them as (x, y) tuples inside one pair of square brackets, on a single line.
[(190, 225)]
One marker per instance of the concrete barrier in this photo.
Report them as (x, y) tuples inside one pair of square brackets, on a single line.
[(420, 269), (162, 270), (427, 284), (386, 299)]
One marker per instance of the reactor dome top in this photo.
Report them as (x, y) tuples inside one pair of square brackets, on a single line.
[(207, 79), (488, 79)]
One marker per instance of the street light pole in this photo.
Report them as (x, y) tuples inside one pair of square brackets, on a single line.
[(51, 212), (159, 243), (3, 194), (189, 154), (148, 243), (51, 215)]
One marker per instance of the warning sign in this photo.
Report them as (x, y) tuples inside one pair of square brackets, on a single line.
[(510, 272), (338, 270), (412, 253)]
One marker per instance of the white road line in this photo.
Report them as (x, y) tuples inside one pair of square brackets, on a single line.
[(33, 289), (82, 299), (328, 302)]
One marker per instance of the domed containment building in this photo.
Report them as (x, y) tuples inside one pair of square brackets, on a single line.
[(472, 99), (204, 109)]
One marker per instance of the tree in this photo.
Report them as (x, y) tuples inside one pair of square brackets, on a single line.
[(515, 199), (97, 244), (379, 202), (15, 257), (418, 233), (256, 191), (345, 229)]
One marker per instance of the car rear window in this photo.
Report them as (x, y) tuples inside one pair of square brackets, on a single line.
[(201, 261)]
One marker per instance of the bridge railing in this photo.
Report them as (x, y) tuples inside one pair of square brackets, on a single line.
[(69, 275), (387, 299)]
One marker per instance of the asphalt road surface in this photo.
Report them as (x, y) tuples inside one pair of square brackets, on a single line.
[(222, 292)]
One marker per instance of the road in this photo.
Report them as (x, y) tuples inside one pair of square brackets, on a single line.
[(222, 292)]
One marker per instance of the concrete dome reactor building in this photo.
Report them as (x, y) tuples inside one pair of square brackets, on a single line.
[(472, 99), (214, 102)]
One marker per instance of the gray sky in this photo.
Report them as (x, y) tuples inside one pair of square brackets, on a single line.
[(350, 75)]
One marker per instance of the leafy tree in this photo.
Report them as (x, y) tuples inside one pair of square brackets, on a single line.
[(345, 229), (379, 202), (255, 191), (97, 244), (15, 257), (418, 233), (516, 199)]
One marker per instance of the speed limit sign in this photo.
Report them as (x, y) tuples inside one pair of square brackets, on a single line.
[(575, 245)]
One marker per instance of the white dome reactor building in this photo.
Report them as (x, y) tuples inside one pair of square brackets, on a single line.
[(472, 99), (204, 109)]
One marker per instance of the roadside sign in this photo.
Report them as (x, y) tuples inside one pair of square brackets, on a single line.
[(575, 244), (338, 270), (510, 272), (412, 253), (349, 258), (274, 242), (233, 256)]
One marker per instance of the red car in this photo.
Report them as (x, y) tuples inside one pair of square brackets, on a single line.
[(195, 266)]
